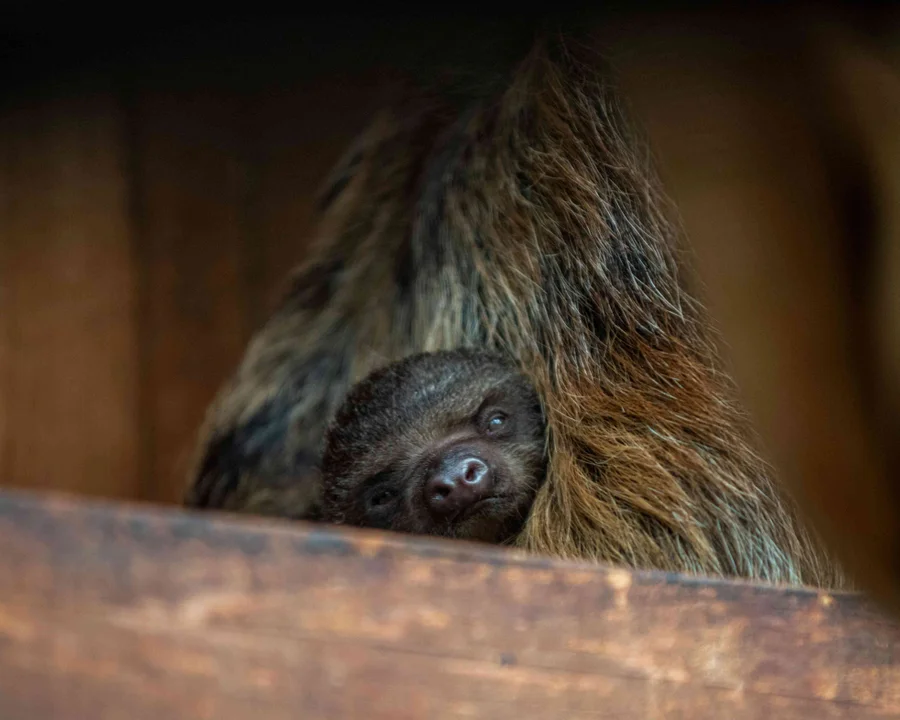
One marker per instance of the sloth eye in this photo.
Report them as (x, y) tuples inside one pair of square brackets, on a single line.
[(496, 421), (382, 497)]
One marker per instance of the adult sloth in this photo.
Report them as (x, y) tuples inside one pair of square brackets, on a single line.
[(525, 221)]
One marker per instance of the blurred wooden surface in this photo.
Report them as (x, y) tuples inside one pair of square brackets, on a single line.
[(111, 611), (145, 231), (69, 396)]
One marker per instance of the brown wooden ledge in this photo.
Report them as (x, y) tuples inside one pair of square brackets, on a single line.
[(119, 611)]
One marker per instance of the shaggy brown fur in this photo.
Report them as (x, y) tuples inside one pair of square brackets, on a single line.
[(530, 224)]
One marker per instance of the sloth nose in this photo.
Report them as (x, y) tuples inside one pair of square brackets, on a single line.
[(457, 485)]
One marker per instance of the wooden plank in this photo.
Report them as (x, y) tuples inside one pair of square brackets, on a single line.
[(115, 611), (68, 297), (5, 308), (190, 188)]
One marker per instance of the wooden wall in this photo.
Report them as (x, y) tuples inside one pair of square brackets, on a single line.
[(145, 228)]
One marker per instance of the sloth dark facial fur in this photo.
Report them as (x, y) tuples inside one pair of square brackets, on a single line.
[(448, 443)]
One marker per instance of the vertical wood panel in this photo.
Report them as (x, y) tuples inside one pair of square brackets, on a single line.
[(68, 299), (193, 320), (5, 190)]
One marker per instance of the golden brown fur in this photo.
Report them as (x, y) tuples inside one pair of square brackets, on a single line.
[(528, 223)]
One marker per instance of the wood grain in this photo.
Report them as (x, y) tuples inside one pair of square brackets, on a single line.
[(68, 296), (111, 611), (5, 307), (193, 328)]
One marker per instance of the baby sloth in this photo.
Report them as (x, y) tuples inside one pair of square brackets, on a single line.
[(449, 443)]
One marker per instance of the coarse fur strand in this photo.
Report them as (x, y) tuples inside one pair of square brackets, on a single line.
[(529, 223)]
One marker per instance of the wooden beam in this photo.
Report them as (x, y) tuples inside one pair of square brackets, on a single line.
[(110, 611)]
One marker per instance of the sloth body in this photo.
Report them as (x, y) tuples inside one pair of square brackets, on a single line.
[(526, 223)]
